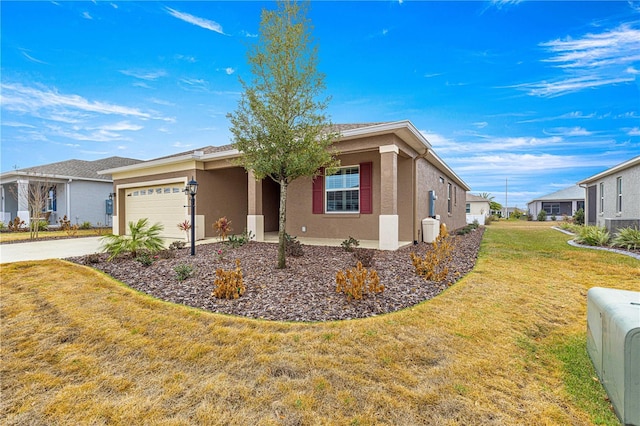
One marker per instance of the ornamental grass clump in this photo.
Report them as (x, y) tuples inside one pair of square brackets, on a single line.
[(628, 238), (358, 282), (229, 283), (593, 236)]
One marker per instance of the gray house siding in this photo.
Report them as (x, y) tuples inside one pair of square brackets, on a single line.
[(87, 202), (617, 196)]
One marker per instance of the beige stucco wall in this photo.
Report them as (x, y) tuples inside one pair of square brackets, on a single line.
[(223, 192), (429, 178), (359, 226)]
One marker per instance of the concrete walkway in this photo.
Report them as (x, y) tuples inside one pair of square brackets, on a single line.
[(49, 249)]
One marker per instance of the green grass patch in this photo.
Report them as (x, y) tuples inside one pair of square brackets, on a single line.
[(580, 380)]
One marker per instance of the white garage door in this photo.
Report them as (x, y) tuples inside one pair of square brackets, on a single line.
[(164, 204)]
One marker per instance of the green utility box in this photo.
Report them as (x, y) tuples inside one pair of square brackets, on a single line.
[(613, 343)]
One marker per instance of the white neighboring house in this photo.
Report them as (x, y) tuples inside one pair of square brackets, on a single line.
[(478, 208), (73, 188), (613, 196), (565, 202)]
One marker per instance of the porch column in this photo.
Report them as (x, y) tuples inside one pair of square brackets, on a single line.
[(23, 200), (388, 219), (255, 218)]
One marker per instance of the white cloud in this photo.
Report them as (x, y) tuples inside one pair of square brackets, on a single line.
[(16, 97), (634, 131), (590, 61), (248, 34), (144, 75), (481, 124), (31, 58), (200, 22), (86, 15), (181, 145), (568, 131), (229, 70)]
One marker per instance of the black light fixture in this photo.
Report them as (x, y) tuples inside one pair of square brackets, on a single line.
[(192, 189)]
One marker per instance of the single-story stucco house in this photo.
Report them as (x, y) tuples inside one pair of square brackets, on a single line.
[(381, 191), (73, 188), (565, 202), (613, 196), (477, 208)]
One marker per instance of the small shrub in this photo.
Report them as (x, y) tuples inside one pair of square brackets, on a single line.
[(177, 245), (488, 220), (2, 225), (593, 236), (350, 244), (628, 238), (228, 283), (85, 225), (220, 253), (66, 226), (183, 272), (433, 266), (364, 256), (358, 282), (292, 246), (222, 227), (17, 224), (553, 218), (42, 225), (186, 227), (578, 217), (92, 258), (236, 241), (142, 237), (145, 258), (542, 216)]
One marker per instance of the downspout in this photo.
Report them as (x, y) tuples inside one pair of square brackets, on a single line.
[(416, 223)]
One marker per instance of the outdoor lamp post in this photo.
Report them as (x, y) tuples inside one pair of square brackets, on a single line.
[(192, 189)]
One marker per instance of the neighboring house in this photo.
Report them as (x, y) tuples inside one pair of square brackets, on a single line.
[(565, 202), (381, 191), (478, 208), (73, 188), (613, 196)]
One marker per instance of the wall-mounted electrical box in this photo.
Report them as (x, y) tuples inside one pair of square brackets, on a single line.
[(613, 343)]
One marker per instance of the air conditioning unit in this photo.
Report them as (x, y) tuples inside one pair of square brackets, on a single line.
[(613, 343)]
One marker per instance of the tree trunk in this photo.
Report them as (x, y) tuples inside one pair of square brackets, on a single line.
[(282, 254)]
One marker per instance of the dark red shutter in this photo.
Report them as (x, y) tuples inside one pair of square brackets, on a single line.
[(366, 197), (318, 193)]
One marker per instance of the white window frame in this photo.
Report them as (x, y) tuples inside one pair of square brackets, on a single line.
[(619, 195), (344, 188), (601, 197)]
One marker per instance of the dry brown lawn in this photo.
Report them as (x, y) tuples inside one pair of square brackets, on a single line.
[(81, 348)]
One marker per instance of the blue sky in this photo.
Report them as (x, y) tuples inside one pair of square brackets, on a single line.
[(540, 93)]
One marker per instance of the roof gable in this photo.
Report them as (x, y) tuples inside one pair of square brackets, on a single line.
[(574, 192), (78, 169)]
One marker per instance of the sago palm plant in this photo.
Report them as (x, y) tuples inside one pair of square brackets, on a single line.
[(141, 237)]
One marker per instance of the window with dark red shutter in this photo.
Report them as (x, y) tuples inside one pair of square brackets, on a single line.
[(318, 193), (366, 190)]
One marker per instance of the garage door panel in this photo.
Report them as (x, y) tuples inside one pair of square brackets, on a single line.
[(164, 204)]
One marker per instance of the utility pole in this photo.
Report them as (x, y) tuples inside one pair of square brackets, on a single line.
[(506, 198)]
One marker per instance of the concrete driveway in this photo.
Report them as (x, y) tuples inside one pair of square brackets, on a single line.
[(50, 249)]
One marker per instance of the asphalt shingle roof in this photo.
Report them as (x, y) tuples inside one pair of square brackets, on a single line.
[(572, 193), (80, 168)]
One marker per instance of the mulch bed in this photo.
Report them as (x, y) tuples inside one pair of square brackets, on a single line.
[(304, 291)]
